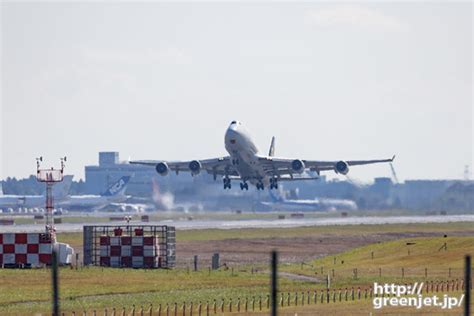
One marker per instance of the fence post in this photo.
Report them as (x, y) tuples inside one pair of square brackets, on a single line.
[(403, 273), (191, 309), (253, 303), (307, 298), (246, 304), (54, 277), (468, 281), (230, 305), (268, 302), (296, 298), (238, 304), (184, 307), (222, 306), (207, 308), (289, 301), (199, 309), (214, 307), (380, 272), (175, 309), (260, 301)]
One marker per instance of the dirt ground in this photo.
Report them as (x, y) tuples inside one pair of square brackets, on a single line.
[(235, 252)]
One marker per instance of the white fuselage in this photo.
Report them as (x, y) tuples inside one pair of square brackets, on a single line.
[(92, 202), (244, 155)]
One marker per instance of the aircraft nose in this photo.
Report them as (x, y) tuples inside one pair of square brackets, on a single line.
[(231, 135)]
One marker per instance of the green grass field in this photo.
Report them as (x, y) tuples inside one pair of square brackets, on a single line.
[(26, 292)]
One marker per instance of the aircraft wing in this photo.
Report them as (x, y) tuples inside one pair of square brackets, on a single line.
[(283, 166), (215, 166)]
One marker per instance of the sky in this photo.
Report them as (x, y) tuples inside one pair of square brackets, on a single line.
[(159, 80)]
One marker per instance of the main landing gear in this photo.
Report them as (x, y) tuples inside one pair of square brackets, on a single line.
[(244, 186), (273, 183), (227, 184)]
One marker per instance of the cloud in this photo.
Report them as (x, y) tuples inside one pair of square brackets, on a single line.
[(351, 15)]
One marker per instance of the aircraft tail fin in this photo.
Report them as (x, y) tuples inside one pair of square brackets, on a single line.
[(118, 188), (271, 151)]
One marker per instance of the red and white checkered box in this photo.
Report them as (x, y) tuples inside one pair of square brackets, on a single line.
[(25, 249)]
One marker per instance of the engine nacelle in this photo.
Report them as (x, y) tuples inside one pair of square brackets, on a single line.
[(341, 167), (195, 167), (297, 165), (162, 168)]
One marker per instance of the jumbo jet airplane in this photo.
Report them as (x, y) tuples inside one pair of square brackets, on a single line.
[(246, 164)]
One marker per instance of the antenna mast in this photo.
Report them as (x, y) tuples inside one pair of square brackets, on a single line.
[(50, 177)]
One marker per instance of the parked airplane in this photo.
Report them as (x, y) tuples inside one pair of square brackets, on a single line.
[(280, 203), (244, 163), (114, 194), (60, 191)]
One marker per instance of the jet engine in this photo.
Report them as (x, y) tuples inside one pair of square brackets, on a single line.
[(162, 168), (297, 165), (195, 167), (341, 167)]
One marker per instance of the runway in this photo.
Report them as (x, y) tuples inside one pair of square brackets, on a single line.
[(183, 224)]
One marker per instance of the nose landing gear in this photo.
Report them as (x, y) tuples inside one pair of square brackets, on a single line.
[(244, 186), (259, 186)]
